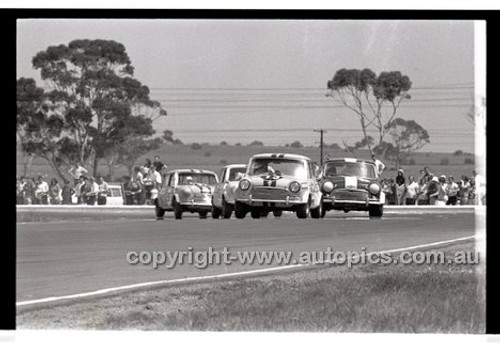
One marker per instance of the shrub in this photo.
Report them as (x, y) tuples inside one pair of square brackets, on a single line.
[(296, 144), (412, 162), (458, 153), (223, 162), (469, 160), (444, 162), (256, 143), (196, 146), (207, 154), (223, 143)]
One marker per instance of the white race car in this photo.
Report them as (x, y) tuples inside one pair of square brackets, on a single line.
[(223, 197), (279, 182)]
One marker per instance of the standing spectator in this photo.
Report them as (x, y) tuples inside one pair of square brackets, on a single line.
[(400, 187), (42, 192), (158, 164), (148, 164), (412, 190), (378, 164), (67, 193), (441, 196), (54, 192), (77, 171), (20, 191), (465, 189), (29, 191), (433, 190), (141, 192), (155, 178), (451, 190), (390, 192), (103, 191), (92, 191), (80, 190), (422, 193), (480, 188)]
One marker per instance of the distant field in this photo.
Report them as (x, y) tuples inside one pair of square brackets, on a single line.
[(214, 157)]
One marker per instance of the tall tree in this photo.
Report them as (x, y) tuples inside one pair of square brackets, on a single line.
[(92, 88), (374, 99), (404, 137)]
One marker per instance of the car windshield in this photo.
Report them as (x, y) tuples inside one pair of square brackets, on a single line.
[(203, 178), (342, 168), (280, 166), (236, 173)]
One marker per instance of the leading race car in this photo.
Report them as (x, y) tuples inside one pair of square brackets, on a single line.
[(223, 197), (352, 184), (277, 182), (186, 190)]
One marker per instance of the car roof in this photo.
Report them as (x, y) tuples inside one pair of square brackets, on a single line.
[(281, 155), (235, 166), (348, 159), (191, 171)]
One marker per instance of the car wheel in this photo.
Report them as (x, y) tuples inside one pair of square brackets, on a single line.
[(239, 210), (177, 209), (255, 213), (318, 212), (303, 211), (226, 209), (376, 211), (203, 215), (215, 212), (277, 213), (158, 210)]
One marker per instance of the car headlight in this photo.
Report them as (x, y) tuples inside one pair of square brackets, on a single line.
[(244, 184), (327, 186), (374, 188), (294, 187)]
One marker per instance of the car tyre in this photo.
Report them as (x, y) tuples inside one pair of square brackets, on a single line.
[(376, 211), (226, 209), (215, 212), (159, 211), (239, 210), (318, 212), (277, 213), (303, 210), (177, 210), (255, 213)]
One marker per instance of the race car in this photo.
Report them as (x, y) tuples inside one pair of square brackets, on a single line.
[(352, 184), (186, 190), (223, 197), (278, 182)]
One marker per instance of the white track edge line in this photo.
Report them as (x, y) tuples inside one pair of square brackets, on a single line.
[(218, 276)]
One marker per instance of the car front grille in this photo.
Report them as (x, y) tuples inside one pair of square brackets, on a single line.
[(269, 194), (358, 195)]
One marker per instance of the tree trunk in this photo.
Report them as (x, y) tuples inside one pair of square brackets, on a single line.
[(95, 166), (55, 168)]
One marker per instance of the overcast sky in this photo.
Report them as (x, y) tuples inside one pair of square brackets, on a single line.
[(243, 80)]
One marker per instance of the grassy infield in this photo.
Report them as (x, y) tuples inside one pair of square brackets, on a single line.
[(365, 298)]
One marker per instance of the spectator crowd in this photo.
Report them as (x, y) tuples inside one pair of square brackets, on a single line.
[(142, 188), (432, 189)]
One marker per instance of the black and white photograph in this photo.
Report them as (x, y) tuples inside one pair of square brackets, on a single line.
[(251, 175)]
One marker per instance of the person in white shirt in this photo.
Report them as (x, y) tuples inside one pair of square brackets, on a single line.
[(103, 191), (378, 164), (451, 189), (412, 190), (92, 192), (480, 188), (77, 171), (42, 191)]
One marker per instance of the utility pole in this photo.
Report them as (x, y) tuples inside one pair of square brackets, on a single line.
[(321, 131)]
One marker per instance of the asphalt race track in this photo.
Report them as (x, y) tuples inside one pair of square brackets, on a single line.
[(73, 256)]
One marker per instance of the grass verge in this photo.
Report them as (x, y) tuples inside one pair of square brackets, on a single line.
[(364, 298)]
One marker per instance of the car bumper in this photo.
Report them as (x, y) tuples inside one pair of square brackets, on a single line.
[(331, 201), (288, 202)]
